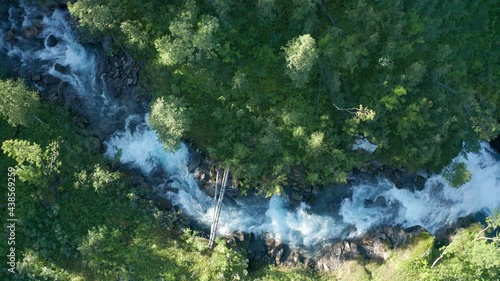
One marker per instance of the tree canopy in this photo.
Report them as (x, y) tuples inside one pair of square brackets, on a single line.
[(283, 90)]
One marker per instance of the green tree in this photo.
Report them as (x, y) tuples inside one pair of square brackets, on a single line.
[(168, 117), (18, 104), (34, 165), (472, 255), (457, 174), (301, 55)]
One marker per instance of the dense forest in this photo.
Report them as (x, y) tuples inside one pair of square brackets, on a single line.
[(282, 90), (279, 90)]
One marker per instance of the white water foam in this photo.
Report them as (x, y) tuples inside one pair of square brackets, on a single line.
[(80, 63), (435, 206)]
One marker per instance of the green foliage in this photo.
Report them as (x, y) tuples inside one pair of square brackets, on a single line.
[(470, 256), (457, 174), (353, 270), (18, 104), (473, 254), (407, 261), (301, 55), (34, 165), (398, 73), (223, 263), (33, 267), (145, 255), (168, 117), (273, 273)]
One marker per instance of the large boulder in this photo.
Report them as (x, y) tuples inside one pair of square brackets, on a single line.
[(51, 41)]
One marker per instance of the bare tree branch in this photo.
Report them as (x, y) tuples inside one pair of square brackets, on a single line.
[(440, 257), (481, 232)]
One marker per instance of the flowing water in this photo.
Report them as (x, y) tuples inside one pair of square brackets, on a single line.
[(375, 202)]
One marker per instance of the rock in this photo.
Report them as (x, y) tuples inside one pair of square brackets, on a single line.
[(200, 175), (62, 69), (279, 255), (9, 35), (294, 259), (32, 31), (422, 173), (130, 81), (36, 78), (379, 202), (297, 196), (162, 203), (49, 79), (419, 183), (315, 190), (495, 144), (397, 178), (194, 162), (376, 164), (375, 245), (167, 188), (106, 126), (38, 23), (51, 41), (157, 174)]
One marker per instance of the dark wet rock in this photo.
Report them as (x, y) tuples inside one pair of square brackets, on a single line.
[(307, 189), (379, 202), (194, 160), (201, 176), (297, 196), (48, 79), (495, 144), (32, 31), (36, 78), (121, 76), (396, 176), (375, 245), (157, 175), (167, 188), (295, 259), (62, 69), (51, 41), (53, 4), (107, 126), (162, 203), (232, 191), (419, 182), (257, 252), (444, 234), (9, 35)]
